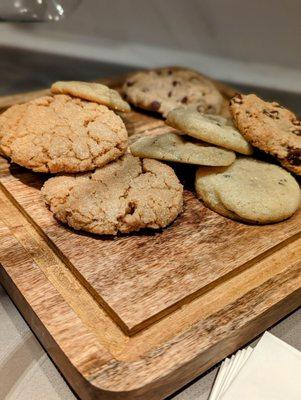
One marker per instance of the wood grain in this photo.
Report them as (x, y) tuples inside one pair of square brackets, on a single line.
[(139, 316), (224, 324), (182, 257)]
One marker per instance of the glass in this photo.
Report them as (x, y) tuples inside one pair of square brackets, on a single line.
[(36, 10)]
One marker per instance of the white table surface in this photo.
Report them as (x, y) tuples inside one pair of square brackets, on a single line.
[(27, 373)]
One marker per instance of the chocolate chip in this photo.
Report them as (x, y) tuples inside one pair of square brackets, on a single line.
[(169, 93), (184, 100), (145, 90), (175, 83), (155, 105), (131, 208), (282, 181), (296, 122), (130, 83), (169, 72), (294, 156), (274, 114), (237, 99)]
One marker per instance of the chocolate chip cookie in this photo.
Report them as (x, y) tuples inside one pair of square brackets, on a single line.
[(164, 89), (270, 127), (209, 128)]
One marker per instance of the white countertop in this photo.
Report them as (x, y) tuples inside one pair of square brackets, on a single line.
[(27, 373)]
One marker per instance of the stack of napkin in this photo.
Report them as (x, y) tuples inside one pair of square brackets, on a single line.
[(270, 371)]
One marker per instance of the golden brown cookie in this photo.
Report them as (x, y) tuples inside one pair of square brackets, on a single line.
[(164, 89), (62, 134), (270, 127), (123, 196), (95, 92)]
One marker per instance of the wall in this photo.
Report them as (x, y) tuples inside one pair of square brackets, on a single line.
[(251, 41)]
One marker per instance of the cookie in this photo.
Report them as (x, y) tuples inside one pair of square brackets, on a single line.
[(176, 148), (95, 92), (62, 134), (205, 186), (161, 129), (225, 111), (164, 89), (225, 90), (124, 196), (137, 136), (249, 190), (270, 127), (212, 129)]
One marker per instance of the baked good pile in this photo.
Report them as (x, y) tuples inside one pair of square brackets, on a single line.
[(108, 184)]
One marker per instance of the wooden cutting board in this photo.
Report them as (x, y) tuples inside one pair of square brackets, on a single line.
[(139, 316)]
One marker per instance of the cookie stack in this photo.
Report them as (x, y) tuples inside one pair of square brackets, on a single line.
[(104, 187), (220, 137), (76, 130)]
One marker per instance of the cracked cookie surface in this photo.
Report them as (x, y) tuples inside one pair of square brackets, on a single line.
[(269, 127), (164, 89), (61, 134), (124, 196), (91, 91)]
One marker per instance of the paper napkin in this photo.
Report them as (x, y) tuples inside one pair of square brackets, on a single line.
[(271, 371), (228, 371)]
